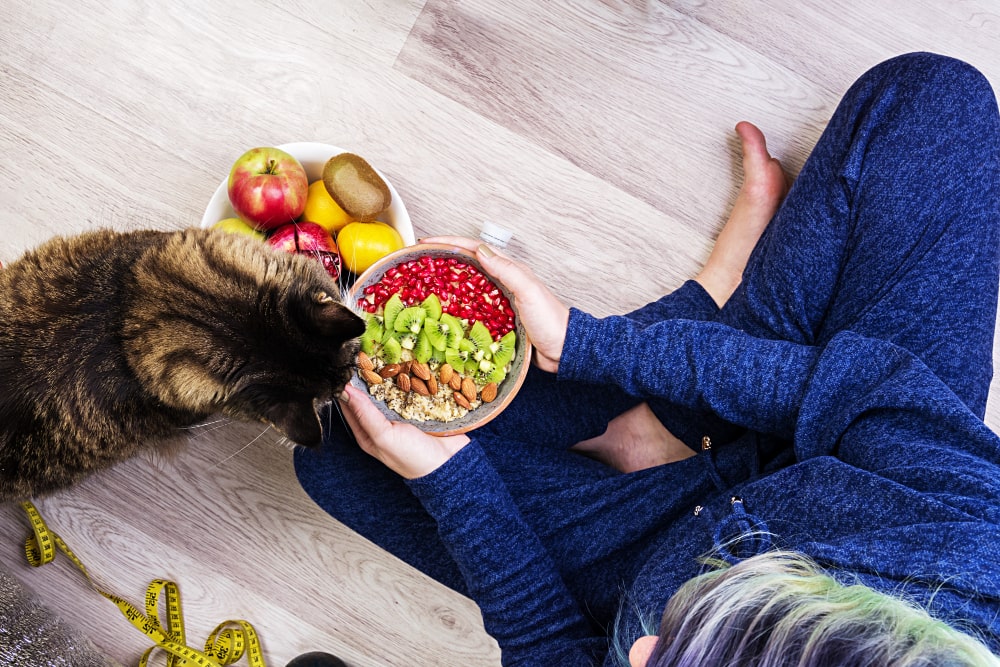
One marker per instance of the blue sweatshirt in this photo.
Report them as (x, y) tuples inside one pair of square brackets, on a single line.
[(894, 482)]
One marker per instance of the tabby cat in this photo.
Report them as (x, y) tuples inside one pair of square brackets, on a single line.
[(111, 342)]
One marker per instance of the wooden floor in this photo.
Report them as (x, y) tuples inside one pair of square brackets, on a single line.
[(600, 132)]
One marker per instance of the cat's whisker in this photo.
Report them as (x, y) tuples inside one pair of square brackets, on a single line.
[(192, 427), (287, 444), (199, 434), (240, 450)]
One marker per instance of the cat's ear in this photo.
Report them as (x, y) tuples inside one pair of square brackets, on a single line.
[(334, 319), (298, 421)]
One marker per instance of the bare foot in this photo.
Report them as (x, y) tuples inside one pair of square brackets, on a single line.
[(635, 440), (765, 184)]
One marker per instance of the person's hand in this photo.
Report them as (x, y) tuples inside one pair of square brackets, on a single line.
[(402, 447), (545, 318)]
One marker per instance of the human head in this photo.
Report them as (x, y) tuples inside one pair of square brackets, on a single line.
[(780, 610)]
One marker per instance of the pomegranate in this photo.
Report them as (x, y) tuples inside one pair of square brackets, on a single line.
[(464, 291), (308, 238)]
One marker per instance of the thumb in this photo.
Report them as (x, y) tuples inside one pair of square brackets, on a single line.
[(367, 419)]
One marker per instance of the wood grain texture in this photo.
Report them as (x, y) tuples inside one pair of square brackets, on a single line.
[(599, 131)]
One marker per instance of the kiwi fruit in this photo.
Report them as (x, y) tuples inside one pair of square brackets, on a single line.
[(437, 355), (456, 358), (372, 336), (410, 319), (496, 374), (455, 332), (407, 340), (356, 186), (390, 309), (503, 349), (480, 336), (392, 351), (432, 306), (422, 349), (436, 332)]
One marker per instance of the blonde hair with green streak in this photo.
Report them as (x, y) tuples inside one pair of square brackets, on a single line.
[(780, 609)]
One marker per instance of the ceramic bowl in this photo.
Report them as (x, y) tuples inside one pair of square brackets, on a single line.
[(506, 389), (313, 157)]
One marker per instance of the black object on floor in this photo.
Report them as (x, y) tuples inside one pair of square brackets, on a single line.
[(317, 659)]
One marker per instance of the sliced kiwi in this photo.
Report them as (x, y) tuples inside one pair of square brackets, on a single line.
[(407, 340), (455, 331), (436, 332), (392, 351), (496, 374), (437, 355), (356, 186), (432, 305), (480, 336), (372, 337), (456, 358), (410, 319), (422, 349), (390, 309), (503, 349)]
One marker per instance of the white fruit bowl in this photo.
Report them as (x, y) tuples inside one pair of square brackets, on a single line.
[(313, 157)]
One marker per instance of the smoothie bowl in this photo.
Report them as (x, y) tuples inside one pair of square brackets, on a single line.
[(443, 347)]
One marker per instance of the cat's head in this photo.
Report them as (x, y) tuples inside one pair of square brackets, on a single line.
[(224, 323)]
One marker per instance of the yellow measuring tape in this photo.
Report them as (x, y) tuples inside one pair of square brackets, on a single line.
[(224, 646)]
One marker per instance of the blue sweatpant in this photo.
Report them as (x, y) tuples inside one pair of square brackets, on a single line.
[(890, 230)]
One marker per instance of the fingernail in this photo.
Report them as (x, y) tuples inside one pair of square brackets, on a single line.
[(486, 251), (344, 397)]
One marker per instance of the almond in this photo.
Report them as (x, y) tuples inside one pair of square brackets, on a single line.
[(403, 382), (489, 392), (421, 370), (455, 382), (461, 400), (390, 370), (432, 385), (469, 389), (446, 371), (404, 366), (418, 386), (370, 376), (365, 362)]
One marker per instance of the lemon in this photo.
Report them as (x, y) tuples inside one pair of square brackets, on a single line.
[(323, 210), (364, 243)]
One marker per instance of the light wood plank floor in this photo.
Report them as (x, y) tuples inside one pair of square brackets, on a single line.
[(600, 132)]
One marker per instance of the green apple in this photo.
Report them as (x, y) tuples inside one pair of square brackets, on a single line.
[(237, 226)]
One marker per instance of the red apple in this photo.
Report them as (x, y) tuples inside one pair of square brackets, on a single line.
[(308, 238), (268, 187)]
